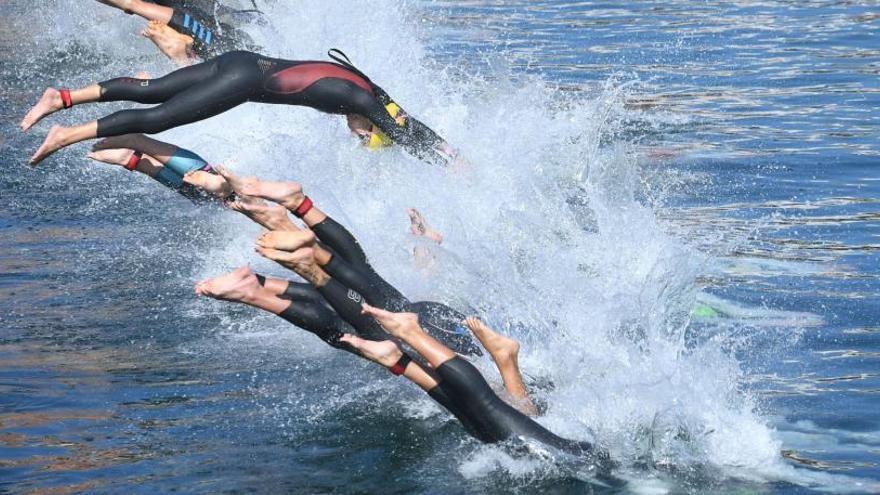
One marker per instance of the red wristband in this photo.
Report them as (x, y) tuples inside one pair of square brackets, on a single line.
[(66, 101), (303, 208), (134, 160), (400, 366)]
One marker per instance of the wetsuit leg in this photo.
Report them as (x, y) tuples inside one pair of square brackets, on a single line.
[(300, 291), (308, 310), (494, 419), (318, 319), (235, 79), (350, 266), (446, 325), (340, 240), (347, 303), (161, 89)]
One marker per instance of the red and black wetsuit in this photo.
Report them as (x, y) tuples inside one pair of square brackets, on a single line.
[(201, 91)]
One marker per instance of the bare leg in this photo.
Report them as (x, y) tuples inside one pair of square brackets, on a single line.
[(61, 137), (159, 150), (149, 11), (51, 102), (241, 285), (505, 352), (293, 239), (147, 165), (302, 261), (387, 354), (405, 326), (287, 194)]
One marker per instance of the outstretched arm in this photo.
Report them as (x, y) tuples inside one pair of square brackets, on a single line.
[(415, 137)]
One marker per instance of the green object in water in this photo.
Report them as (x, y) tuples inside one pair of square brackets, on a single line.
[(703, 311)]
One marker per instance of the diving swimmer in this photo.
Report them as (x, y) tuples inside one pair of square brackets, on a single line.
[(339, 253), (467, 394), (296, 303), (195, 93), (169, 165), (183, 30), (352, 269)]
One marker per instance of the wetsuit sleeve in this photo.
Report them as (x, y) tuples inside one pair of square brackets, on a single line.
[(415, 137)]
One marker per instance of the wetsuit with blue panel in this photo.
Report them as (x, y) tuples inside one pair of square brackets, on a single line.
[(206, 22)]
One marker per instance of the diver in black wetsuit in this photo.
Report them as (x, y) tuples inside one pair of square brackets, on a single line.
[(201, 91), (340, 254), (348, 290), (483, 413)]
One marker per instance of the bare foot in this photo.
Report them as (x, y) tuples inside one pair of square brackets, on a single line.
[(502, 349), (112, 156), (238, 285), (143, 75), (302, 261), (206, 181), (287, 241), (272, 217), (396, 324), (174, 45), (287, 194), (385, 352), (419, 227), (49, 103), (55, 140)]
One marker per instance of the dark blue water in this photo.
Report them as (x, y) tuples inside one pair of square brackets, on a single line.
[(688, 190)]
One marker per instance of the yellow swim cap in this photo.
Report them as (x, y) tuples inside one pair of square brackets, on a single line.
[(379, 139)]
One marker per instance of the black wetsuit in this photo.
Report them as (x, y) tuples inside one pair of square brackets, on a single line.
[(204, 90), (203, 20), (352, 275), (462, 389)]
